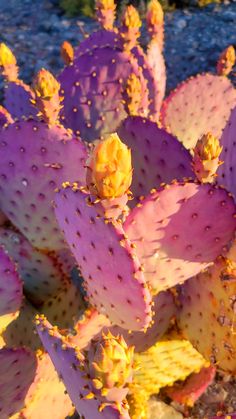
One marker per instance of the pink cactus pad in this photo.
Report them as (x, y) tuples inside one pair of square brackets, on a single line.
[(21, 332), (200, 105), (42, 276), (46, 397), (5, 117), (179, 230), (225, 172), (164, 311), (88, 327), (17, 99), (106, 259), (64, 309), (17, 370), (155, 80), (10, 290), (69, 363), (156, 61), (34, 160), (207, 314), (157, 157), (93, 91), (189, 391)]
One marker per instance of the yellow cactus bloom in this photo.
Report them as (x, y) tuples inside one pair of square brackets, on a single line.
[(6, 56), (131, 18), (134, 93), (111, 168), (208, 147), (111, 362), (155, 14), (45, 84), (226, 61), (105, 4)]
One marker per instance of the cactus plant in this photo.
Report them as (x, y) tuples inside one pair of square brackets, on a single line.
[(207, 303), (10, 290), (18, 95)]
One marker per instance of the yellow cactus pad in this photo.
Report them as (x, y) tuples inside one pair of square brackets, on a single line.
[(45, 84), (111, 363), (6, 56), (111, 168), (155, 14), (131, 18), (164, 363)]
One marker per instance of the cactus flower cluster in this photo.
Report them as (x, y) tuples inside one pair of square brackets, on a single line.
[(117, 228)]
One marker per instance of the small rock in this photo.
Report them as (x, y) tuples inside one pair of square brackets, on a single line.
[(160, 410)]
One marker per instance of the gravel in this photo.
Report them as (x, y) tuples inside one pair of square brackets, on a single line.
[(194, 37)]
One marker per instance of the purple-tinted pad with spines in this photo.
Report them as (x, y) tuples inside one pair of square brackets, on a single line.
[(157, 157), (179, 230), (46, 397), (5, 117), (201, 104), (189, 391), (17, 370), (155, 95), (226, 172), (113, 276), (10, 285), (34, 160), (99, 39), (42, 277), (157, 63), (69, 365), (164, 310), (17, 99), (93, 91)]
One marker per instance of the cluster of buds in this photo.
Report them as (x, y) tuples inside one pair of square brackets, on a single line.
[(206, 158), (47, 98), (8, 64)]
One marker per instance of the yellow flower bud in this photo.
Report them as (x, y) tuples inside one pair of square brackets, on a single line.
[(134, 93), (6, 56), (111, 362), (206, 158), (45, 84), (111, 168), (155, 15), (208, 147), (226, 61), (131, 18), (105, 4)]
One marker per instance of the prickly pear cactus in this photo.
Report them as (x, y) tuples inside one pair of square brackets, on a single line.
[(107, 261), (74, 367), (33, 165), (10, 290), (196, 384), (15, 364), (175, 250), (208, 303), (157, 156), (41, 274), (226, 171), (199, 105)]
